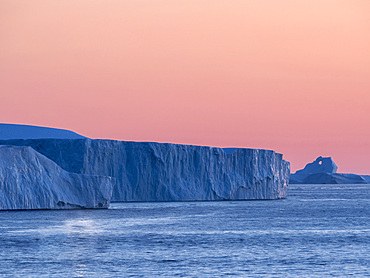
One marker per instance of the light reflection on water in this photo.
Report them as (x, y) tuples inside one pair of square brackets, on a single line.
[(81, 270), (319, 231), (73, 226)]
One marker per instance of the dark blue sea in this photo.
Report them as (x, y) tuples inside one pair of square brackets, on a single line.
[(318, 231)]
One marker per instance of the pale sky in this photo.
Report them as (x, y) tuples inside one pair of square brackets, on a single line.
[(287, 75)]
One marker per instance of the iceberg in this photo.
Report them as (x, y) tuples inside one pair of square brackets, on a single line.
[(29, 180), (334, 178), (324, 171), (15, 131), (320, 165), (146, 171)]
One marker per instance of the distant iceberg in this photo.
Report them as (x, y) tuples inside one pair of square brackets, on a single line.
[(324, 171), (170, 172), (15, 131), (29, 180)]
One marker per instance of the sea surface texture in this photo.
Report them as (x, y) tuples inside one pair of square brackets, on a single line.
[(318, 231)]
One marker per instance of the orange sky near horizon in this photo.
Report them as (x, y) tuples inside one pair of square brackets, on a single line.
[(287, 75)]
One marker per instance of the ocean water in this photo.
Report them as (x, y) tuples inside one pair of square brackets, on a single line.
[(318, 231)]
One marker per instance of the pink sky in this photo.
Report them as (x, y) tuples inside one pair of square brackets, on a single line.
[(287, 75)]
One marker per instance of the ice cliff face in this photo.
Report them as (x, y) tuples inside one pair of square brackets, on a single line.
[(29, 180), (169, 172)]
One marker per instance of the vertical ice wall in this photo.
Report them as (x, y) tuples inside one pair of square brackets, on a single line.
[(170, 172), (29, 180)]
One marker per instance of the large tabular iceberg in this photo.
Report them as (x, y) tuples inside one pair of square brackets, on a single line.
[(29, 180), (170, 172)]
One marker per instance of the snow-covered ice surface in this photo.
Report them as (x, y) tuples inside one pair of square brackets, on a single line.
[(29, 180), (15, 131), (318, 231), (170, 172)]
